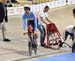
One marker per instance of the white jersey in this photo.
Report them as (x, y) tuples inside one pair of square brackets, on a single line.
[(43, 15), (69, 28)]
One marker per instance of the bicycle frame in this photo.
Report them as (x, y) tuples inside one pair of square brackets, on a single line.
[(32, 44)]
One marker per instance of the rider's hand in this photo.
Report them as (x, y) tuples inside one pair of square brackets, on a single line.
[(24, 33)]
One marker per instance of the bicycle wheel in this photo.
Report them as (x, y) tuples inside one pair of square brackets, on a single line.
[(35, 49), (30, 48), (34, 42)]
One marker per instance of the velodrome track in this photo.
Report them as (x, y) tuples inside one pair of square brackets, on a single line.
[(17, 49)]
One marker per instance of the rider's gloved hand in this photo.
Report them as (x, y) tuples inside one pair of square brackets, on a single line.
[(24, 33)]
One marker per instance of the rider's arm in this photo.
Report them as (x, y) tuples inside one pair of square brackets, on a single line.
[(24, 22), (35, 22)]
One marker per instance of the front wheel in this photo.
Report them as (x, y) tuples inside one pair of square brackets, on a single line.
[(35, 49), (30, 48)]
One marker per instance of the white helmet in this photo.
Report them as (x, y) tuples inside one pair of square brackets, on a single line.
[(26, 7)]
